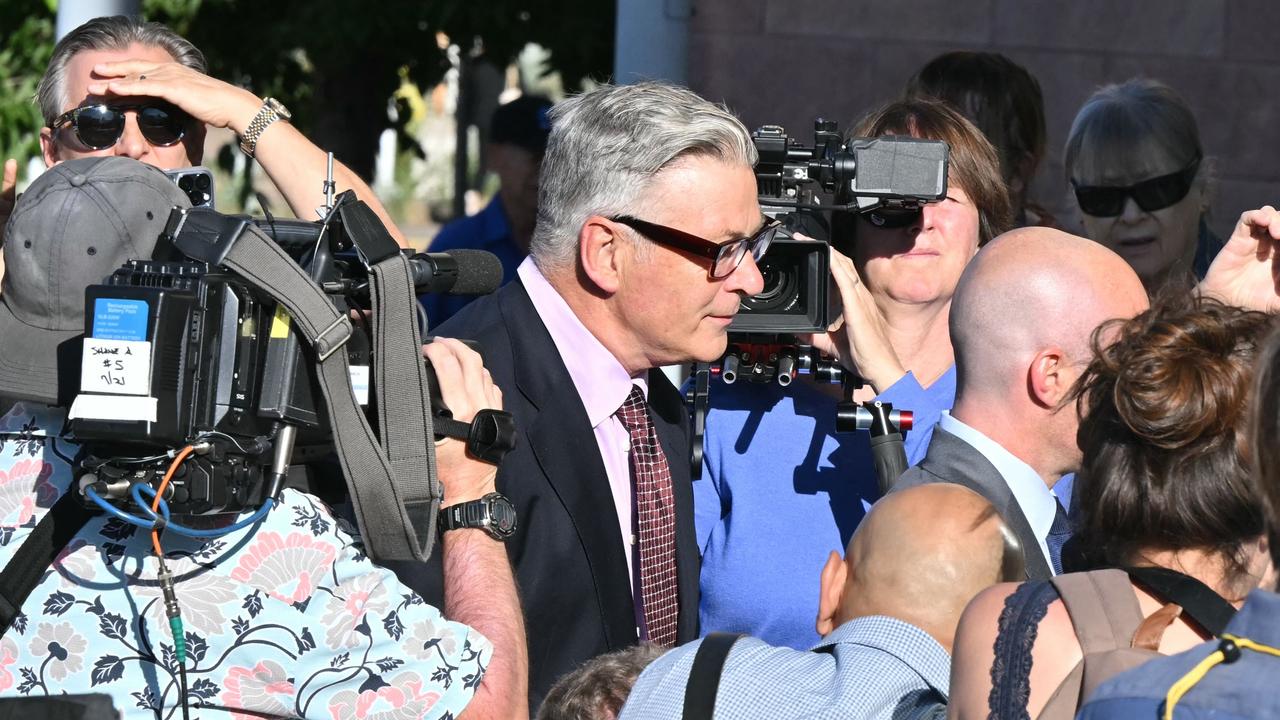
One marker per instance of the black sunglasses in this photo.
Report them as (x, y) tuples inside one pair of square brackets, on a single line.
[(1154, 194), (725, 257), (99, 127)]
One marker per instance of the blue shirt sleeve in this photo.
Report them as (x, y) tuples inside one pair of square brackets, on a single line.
[(926, 406)]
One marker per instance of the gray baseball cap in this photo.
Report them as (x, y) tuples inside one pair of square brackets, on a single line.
[(74, 226)]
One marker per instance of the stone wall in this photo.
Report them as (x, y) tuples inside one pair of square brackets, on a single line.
[(787, 61)]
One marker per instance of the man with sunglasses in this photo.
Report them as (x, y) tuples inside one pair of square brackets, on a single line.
[(646, 241), (119, 86)]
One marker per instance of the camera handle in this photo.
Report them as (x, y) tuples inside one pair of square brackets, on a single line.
[(887, 428), (698, 395)]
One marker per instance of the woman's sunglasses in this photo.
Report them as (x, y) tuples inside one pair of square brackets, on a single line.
[(99, 127), (1157, 193)]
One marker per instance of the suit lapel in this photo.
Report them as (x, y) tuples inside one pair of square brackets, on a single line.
[(563, 442), (956, 461)]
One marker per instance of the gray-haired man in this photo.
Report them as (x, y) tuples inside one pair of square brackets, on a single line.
[(647, 227)]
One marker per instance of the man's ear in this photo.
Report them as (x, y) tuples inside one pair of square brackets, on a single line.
[(48, 148), (600, 249), (830, 592), (1049, 377)]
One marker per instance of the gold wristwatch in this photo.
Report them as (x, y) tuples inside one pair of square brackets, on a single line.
[(271, 111)]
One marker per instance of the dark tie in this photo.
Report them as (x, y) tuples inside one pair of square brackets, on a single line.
[(1059, 534), (655, 521)]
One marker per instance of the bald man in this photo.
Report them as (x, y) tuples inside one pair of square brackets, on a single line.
[(1021, 323), (888, 614)]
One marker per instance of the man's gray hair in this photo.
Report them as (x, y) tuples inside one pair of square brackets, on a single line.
[(598, 688), (107, 33), (606, 147)]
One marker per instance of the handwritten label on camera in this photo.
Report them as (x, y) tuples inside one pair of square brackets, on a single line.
[(120, 367)]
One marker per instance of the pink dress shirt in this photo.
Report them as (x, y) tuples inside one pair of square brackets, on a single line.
[(602, 384)]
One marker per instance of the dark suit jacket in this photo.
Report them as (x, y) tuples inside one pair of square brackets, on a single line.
[(567, 551), (952, 460)]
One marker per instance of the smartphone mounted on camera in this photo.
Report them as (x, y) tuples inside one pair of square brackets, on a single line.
[(196, 182)]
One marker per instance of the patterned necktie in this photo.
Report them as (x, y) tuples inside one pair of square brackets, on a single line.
[(1059, 534), (656, 521)]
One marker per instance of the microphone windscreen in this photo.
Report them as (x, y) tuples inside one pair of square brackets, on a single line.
[(479, 272)]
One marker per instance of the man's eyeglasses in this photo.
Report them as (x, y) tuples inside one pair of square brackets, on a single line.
[(1157, 193), (725, 257), (99, 127)]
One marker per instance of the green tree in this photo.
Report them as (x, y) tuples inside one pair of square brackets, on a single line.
[(337, 63), (26, 42)]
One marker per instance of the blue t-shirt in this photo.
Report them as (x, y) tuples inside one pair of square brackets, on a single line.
[(780, 490), (487, 230)]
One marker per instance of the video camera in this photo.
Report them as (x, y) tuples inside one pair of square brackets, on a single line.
[(202, 384), (888, 180)]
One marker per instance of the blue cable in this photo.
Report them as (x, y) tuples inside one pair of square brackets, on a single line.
[(113, 510), (139, 488), (149, 523)]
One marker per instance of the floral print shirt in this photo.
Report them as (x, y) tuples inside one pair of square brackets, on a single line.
[(288, 618)]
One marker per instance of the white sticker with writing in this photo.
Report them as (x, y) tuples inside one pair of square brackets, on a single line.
[(122, 367), (360, 383)]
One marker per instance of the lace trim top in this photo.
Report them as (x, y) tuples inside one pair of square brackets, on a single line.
[(1015, 637)]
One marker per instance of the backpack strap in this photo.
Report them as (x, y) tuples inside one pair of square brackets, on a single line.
[(1103, 608)]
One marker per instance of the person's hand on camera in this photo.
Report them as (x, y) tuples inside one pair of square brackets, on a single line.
[(859, 340), (1246, 272), (204, 98), (466, 387)]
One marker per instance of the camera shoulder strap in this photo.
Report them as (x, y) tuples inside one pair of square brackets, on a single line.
[(36, 555), (393, 486)]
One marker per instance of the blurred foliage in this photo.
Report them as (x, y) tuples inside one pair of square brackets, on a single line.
[(335, 63), (26, 42)]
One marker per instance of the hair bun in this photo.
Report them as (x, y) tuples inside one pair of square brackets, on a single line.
[(1179, 378)]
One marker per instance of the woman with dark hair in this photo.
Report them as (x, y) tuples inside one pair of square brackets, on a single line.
[(1165, 494), (1004, 101), (1141, 180), (1234, 678), (781, 487)]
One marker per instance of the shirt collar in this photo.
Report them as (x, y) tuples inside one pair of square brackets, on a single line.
[(601, 381), (914, 647), (1035, 499), (1258, 619)]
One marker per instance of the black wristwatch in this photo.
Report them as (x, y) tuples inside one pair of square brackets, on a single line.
[(492, 513)]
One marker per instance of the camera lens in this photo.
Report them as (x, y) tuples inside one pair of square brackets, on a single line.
[(202, 182), (781, 292)]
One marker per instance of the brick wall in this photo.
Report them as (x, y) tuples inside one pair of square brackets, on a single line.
[(787, 61)]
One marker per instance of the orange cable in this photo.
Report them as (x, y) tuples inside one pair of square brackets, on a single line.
[(164, 485)]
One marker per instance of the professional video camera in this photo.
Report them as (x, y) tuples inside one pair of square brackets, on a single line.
[(208, 371), (889, 180)]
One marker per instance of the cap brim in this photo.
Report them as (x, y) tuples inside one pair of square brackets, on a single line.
[(29, 359)]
